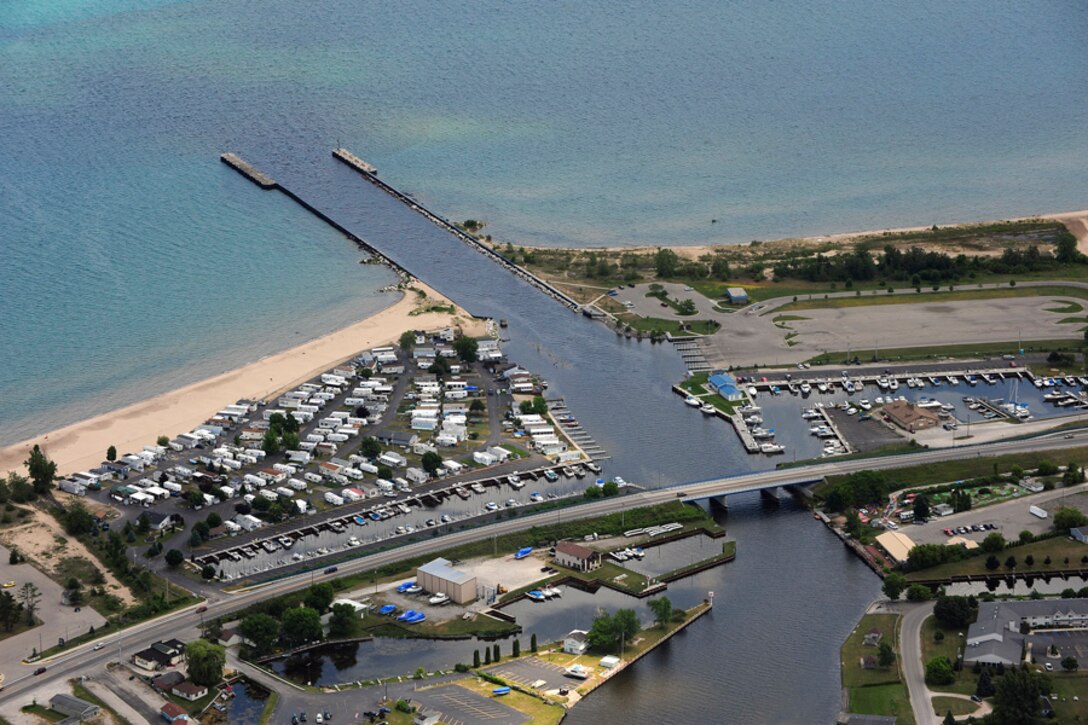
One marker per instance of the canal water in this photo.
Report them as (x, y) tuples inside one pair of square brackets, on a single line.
[(793, 588)]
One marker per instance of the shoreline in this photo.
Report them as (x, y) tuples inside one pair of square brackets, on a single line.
[(83, 444), (1076, 221)]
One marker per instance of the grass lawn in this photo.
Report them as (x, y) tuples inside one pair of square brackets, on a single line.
[(538, 711), (695, 383), (1067, 686), (43, 712), (389, 627), (269, 706), (959, 295), (610, 572), (853, 674), (889, 699), (974, 350), (1057, 549), (950, 647), (941, 706), (968, 467), (657, 324)]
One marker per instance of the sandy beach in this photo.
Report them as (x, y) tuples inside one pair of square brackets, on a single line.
[(1075, 221), (83, 445)]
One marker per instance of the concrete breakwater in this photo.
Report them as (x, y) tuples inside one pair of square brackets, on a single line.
[(370, 174), (248, 170), (265, 181)]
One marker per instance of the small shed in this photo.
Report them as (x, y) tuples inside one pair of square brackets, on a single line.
[(737, 295), (439, 577)]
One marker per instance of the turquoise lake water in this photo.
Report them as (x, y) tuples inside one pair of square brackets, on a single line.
[(134, 262)]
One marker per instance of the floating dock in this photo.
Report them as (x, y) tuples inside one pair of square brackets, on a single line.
[(370, 174), (248, 170)]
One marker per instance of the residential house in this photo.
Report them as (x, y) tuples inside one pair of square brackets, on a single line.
[(575, 643), (189, 690), (172, 712), (576, 556), (166, 681)]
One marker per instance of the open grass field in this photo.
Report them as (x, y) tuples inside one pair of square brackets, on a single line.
[(968, 350), (673, 327), (958, 706), (950, 647), (891, 699), (948, 471), (538, 711), (1058, 549), (853, 674), (955, 295)]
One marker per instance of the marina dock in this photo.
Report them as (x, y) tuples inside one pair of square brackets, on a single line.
[(370, 174), (248, 170), (574, 432)]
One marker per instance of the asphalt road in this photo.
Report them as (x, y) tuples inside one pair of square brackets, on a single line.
[(185, 624)]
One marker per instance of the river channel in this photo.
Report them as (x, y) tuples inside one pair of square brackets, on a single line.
[(769, 651)]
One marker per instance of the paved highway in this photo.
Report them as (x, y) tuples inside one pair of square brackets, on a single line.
[(185, 624)]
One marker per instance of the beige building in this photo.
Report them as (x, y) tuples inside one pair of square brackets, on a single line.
[(576, 556), (438, 577), (910, 417), (896, 544)]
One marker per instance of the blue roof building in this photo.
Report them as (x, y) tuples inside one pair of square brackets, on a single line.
[(725, 385)]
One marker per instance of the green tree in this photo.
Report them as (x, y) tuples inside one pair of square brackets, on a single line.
[(207, 572), (42, 470), (431, 462), (921, 507), (939, 671), (985, 686), (992, 562), (610, 488), (29, 595), (174, 558), (952, 612), (885, 656), (1070, 664), (516, 648), (77, 519), (476, 658), (407, 340), (291, 440), (1066, 518), (270, 444), (11, 610), (495, 655), (1016, 699), (477, 406), (532, 643), (686, 307), (111, 453), (262, 630), (602, 633), (894, 584), (662, 610), (205, 661), (467, 349), (214, 520), (1066, 249), (949, 719), (993, 543), (370, 448), (919, 593), (300, 626), (162, 441), (320, 596), (342, 622), (666, 263)]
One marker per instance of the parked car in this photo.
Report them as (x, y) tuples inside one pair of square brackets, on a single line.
[(39, 671)]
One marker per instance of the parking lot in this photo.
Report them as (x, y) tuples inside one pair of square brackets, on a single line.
[(527, 671), (1010, 517), (460, 707)]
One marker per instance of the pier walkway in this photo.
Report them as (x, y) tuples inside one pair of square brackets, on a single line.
[(370, 174), (248, 170)]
